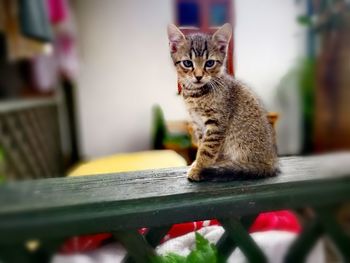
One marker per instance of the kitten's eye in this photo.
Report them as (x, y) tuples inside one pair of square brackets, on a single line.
[(187, 63), (210, 63)]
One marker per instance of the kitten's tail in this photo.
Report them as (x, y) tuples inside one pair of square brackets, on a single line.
[(234, 171)]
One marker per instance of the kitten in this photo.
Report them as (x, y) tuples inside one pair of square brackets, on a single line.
[(235, 140)]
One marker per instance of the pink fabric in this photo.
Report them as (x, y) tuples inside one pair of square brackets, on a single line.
[(58, 10)]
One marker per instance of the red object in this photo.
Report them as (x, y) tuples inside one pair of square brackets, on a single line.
[(185, 228), (58, 10), (283, 220), (179, 88), (84, 243)]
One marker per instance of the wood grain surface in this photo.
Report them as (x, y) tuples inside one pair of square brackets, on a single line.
[(60, 207)]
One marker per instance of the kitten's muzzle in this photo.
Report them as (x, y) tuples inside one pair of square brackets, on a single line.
[(199, 78)]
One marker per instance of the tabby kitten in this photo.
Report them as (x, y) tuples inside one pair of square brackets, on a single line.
[(234, 138)]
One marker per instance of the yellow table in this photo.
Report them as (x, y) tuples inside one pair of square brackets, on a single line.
[(129, 162)]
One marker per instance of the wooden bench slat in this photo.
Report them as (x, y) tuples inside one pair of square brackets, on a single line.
[(90, 204)]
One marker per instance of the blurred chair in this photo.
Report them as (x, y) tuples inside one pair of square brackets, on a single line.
[(30, 139)]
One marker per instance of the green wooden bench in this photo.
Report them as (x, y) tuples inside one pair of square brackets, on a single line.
[(51, 210)]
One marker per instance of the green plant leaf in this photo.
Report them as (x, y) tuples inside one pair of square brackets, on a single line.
[(169, 258), (203, 253), (304, 20), (174, 258)]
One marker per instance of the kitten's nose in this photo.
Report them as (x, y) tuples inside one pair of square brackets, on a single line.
[(199, 78)]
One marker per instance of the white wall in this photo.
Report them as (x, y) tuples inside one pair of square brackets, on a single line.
[(126, 66), (125, 69), (268, 41)]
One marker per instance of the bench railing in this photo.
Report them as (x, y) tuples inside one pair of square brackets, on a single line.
[(51, 210)]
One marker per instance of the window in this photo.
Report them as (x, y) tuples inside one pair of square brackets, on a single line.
[(218, 14), (188, 13)]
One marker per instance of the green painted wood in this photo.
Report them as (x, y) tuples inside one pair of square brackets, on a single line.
[(333, 229), (239, 234), (304, 242), (153, 238), (47, 249), (156, 234), (57, 207), (226, 245), (136, 245), (18, 253), (15, 254)]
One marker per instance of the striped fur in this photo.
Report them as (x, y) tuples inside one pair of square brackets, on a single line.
[(235, 140)]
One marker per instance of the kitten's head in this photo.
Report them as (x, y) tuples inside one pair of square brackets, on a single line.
[(199, 57)]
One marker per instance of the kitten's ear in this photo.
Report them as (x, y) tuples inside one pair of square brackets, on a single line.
[(222, 36), (176, 38)]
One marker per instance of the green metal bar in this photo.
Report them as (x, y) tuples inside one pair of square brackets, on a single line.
[(244, 241), (47, 248), (20, 253), (15, 254), (226, 245), (156, 234), (304, 243), (333, 229), (138, 249), (153, 238)]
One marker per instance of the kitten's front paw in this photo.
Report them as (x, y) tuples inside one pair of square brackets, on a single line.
[(193, 173)]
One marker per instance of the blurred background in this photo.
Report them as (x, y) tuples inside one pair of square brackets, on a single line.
[(85, 79)]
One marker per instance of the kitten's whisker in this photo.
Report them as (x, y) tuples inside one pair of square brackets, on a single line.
[(216, 84), (215, 88), (211, 84), (219, 81)]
